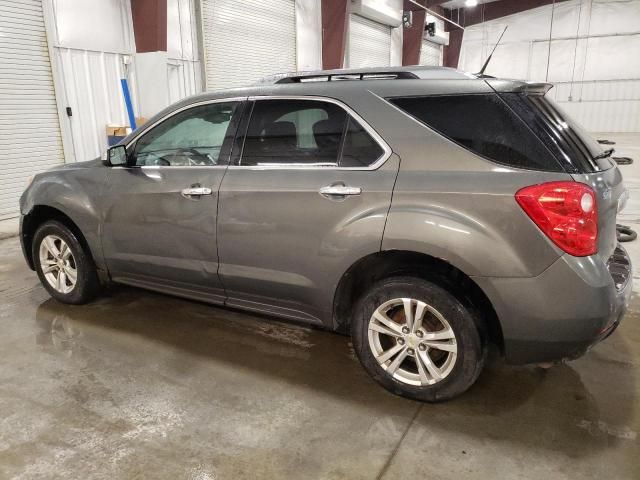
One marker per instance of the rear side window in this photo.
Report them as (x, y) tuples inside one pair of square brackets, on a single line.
[(299, 133), (483, 124)]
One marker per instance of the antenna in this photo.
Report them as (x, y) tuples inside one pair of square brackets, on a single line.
[(486, 63)]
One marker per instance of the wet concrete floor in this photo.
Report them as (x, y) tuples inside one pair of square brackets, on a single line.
[(139, 385)]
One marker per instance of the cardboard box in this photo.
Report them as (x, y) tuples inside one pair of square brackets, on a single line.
[(113, 140), (116, 130), (141, 121)]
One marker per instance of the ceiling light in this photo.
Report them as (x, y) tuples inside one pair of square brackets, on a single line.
[(471, 3)]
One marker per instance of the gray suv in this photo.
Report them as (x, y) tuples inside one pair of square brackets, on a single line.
[(426, 211)]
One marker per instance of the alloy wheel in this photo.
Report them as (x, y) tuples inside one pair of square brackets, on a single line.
[(58, 264), (412, 341)]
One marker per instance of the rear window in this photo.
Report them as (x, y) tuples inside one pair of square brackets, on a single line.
[(484, 124), (576, 150)]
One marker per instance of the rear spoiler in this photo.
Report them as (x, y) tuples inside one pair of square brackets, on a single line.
[(516, 86)]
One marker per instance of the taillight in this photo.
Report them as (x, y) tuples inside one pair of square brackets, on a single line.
[(566, 212)]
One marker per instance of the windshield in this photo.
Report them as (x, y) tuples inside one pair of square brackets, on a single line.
[(571, 144)]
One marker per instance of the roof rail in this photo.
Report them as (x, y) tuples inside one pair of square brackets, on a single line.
[(334, 77)]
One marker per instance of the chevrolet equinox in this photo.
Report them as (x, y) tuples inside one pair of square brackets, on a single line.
[(426, 211)]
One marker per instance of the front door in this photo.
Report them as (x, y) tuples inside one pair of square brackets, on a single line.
[(159, 226), (308, 197)]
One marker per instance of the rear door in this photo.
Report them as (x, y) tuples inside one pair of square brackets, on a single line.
[(308, 197), (159, 228)]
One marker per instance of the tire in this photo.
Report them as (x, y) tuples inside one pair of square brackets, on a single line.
[(77, 259), (460, 331)]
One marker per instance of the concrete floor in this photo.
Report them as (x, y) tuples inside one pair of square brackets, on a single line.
[(138, 385)]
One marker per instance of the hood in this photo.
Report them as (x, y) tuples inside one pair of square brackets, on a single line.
[(96, 162)]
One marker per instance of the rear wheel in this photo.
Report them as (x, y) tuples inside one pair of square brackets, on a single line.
[(418, 340), (64, 267)]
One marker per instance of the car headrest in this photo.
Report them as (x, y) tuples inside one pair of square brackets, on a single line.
[(281, 133), (327, 135)]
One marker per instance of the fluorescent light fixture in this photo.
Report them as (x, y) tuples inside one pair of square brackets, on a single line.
[(471, 3)]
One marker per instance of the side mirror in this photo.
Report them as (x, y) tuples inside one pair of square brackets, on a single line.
[(117, 156)]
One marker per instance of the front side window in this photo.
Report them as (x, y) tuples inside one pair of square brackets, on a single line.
[(483, 124), (195, 137), (306, 133)]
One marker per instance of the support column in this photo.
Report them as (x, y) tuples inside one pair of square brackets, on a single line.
[(412, 39), (150, 25), (335, 19), (452, 51)]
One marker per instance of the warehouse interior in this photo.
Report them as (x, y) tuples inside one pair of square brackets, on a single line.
[(141, 385)]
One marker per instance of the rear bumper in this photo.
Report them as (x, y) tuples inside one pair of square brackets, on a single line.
[(560, 314)]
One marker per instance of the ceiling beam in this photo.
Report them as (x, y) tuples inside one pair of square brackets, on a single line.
[(492, 10), (432, 4)]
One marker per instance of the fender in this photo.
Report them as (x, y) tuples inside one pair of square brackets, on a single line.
[(74, 190), (484, 242)]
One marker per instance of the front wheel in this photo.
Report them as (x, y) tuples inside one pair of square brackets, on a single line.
[(417, 340), (64, 267)]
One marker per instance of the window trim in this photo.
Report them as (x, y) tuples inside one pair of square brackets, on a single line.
[(386, 149), (153, 125)]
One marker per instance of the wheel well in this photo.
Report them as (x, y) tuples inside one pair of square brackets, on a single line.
[(369, 270), (40, 214)]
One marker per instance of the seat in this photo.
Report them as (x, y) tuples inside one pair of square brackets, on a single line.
[(327, 134)]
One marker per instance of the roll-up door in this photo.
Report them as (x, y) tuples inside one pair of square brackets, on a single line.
[(30, 138), (430, 53), (369, 43), (247, 40)]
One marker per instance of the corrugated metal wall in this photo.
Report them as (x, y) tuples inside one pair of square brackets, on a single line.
[(247, 40), (430, 53), (93, 48), (369, 43), (593, 57), (91, 83), (185, 78), (30, 137)]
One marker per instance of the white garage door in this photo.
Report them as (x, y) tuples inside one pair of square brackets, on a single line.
[(30, 139), (246, 40), (430, 53), (369, 43)]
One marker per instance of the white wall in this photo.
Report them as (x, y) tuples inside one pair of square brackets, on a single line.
[(166, 77), (184, 73), (92, 46), (593, 57)]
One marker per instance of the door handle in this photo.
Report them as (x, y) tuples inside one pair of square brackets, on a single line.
[(339, 191), (196, 191)]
